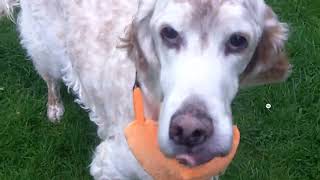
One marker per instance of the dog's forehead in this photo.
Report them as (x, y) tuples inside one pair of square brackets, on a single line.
[(201, 10), (202, 7), (203, 14)]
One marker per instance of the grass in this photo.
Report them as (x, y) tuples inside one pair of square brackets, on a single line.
[(280, 143), (30, 146)]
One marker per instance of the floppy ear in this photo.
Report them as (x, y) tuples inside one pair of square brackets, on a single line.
[(269, 63), (139, 39), (141, 50)]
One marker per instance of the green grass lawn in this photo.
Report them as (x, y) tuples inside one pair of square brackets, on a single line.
[(280, 143)]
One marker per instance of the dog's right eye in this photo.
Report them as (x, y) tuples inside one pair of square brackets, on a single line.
[(170, 37), (169, 33)]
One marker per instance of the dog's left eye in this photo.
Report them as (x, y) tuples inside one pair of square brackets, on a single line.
[(237, 42)]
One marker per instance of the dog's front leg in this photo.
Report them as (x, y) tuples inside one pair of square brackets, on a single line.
[(113, 160)]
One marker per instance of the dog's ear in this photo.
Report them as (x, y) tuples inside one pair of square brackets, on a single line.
[(142, 50), (269, 63)]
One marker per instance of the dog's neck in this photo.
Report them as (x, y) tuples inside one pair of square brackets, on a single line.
[(117, 111), (151, 94), (152, 105)]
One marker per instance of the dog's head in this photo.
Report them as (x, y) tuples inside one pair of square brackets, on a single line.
[(194, 55)]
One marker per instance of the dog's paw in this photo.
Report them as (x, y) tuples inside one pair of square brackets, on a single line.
[(55, 112)]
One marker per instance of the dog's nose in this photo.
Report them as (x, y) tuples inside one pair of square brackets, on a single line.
[(191, 125)]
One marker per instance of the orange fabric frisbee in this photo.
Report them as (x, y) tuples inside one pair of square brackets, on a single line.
[(141, 137)]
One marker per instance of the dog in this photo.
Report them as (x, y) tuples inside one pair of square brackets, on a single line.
[(190, 58)]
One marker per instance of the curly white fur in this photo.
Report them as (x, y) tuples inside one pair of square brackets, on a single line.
[(7, 7)]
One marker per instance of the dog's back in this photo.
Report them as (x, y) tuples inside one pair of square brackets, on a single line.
[(72, 40)]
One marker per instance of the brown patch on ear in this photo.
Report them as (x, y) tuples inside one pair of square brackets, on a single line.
[(138, 41), (269, 63), (134, 51), (278, 72)]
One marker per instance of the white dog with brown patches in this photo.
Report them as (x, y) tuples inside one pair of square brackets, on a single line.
[(191, 57)]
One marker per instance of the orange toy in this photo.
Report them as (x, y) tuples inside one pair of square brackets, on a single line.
[(142, 139)]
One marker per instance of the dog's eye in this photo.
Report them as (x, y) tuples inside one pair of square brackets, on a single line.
[(236, 43), (169, 33), (170, 37)]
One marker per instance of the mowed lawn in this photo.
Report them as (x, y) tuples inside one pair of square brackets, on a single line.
[(278, 143)]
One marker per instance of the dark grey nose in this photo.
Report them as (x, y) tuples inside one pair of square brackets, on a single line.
[(191, 125)]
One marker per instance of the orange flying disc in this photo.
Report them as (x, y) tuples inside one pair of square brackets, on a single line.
[(141, 137)]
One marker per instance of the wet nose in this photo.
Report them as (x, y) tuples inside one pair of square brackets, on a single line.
[(191, 125)]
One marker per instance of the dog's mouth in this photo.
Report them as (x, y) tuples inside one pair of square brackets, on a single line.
[(197, 158), (187, 160), (191, 160)]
